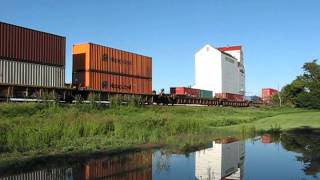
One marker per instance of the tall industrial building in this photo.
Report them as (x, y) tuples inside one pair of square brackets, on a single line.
[(220, 70)]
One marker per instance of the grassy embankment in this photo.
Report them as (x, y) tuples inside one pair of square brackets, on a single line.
[(34, 129)]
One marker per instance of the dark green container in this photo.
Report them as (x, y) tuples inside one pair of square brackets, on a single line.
[(206, 94)]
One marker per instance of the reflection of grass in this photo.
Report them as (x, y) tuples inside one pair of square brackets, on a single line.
[(47, 128)]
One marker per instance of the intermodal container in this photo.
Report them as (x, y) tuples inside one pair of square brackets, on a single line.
[(27, 45), (191, 92), (112, 82), (206, 94), (253, 98), (93, 57), (30, 74), (267, 94), (229, 96), (103, 68)]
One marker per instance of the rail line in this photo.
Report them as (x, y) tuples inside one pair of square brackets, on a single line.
[(19, 93)]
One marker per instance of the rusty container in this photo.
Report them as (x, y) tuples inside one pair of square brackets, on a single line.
[(28, 45), (103, 68)]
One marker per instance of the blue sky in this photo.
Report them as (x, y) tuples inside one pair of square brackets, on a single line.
[(278, 36)]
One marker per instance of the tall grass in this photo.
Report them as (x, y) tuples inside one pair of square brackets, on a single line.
[(39, 127)]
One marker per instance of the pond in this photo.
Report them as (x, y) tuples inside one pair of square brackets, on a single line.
[(289, 155)]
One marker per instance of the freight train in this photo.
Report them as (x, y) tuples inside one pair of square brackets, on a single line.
[(32, 65)]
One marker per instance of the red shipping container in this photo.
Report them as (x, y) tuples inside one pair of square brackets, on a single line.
[(185, 91), (267, 94), (230, 96), (28, 45)]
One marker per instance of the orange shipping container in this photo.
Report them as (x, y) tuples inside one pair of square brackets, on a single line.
[(107, 69), (112, 82), (93, 57)]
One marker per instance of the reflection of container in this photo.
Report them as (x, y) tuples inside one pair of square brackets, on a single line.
[(125, 166), (266, 139), (206, 94), (102, 68), (229, 96), (62, 173), (30, 74), (226, 140), (27, 45), (185, 91)]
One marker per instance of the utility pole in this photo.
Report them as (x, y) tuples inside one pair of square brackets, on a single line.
[(279, 96)]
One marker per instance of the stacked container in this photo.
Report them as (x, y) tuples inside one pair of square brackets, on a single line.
[(31, 58), (101, 68)]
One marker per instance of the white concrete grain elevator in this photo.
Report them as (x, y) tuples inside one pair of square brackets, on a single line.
[(220, 70)]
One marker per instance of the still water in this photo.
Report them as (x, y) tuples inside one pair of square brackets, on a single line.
[(285, 156)]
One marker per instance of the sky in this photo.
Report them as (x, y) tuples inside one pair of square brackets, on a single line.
[(278, 36)]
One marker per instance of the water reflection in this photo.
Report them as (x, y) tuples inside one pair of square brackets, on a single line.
[(307, 144), (291, 155), (125, 166), (223, 160)]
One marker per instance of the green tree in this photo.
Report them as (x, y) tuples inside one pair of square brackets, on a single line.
[(304, 91)]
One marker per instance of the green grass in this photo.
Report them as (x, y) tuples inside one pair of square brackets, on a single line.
[(290, 121), (29, 129)]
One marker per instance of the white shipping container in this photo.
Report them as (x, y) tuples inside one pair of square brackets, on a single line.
[(29, 74)]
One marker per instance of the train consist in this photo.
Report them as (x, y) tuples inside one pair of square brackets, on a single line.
[(32, 65)]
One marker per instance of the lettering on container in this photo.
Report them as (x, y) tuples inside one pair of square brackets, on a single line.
[(120, 86), (105, 57), (106, 84)]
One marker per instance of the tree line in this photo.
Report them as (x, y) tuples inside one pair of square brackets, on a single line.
[(304, 91)]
